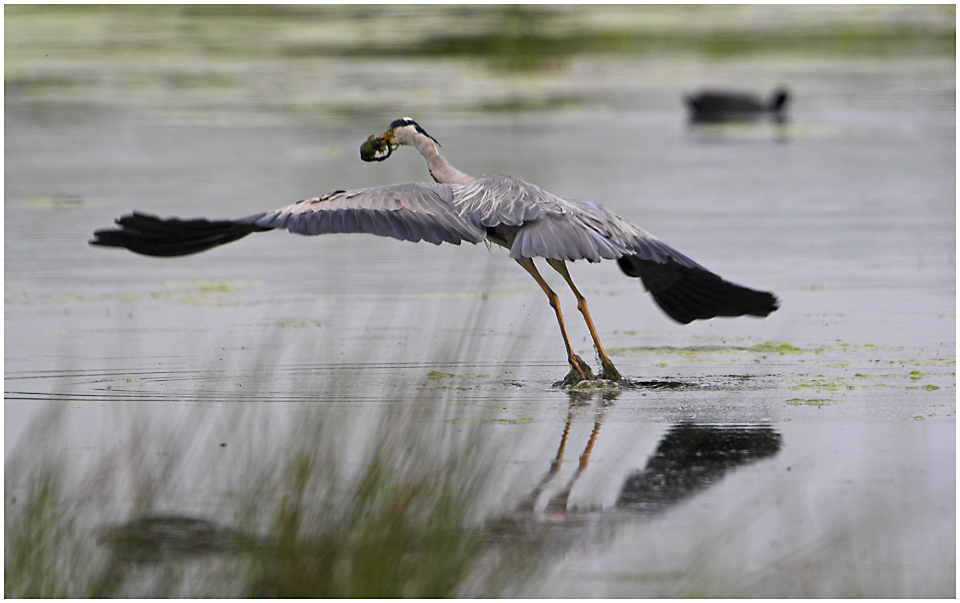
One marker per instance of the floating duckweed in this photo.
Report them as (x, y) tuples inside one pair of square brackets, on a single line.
[(822, 383), (779, 347), (206, 286), (596, 384), (74, 298), (766, 347), (810, 401), (201, 291), (438, 375), (297, 324)]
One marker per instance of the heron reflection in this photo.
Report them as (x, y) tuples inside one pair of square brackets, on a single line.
[(689, 459)]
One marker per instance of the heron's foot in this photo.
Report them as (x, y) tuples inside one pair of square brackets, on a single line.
[(609, 371), (579, 371)]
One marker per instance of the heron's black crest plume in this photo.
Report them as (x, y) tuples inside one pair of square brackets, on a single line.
[(406, 121)]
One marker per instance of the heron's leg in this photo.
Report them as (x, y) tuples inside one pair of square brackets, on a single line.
[(609, 371), (576, 362)]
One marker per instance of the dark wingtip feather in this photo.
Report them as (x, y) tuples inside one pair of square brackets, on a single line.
[(688, 293), (170, 237), (690, 300)]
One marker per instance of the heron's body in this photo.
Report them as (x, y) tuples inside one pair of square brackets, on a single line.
[(530, 222)]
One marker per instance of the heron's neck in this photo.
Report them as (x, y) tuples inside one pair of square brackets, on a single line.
[(441, 171)]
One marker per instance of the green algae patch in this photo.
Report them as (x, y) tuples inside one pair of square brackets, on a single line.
[(775, 347), (297, 324), (207, 286), (822, 383), (687, 351), (508, 421), (439, 375), (201, 292), (54, 202), (766, 347), (596, 384), (811, 401), (72, 298)]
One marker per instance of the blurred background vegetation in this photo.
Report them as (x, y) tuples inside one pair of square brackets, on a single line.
[(326, 62)]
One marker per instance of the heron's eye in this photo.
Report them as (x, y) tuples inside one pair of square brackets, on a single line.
[(376, 148)]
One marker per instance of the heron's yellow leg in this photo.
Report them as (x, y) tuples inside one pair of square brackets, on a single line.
[(609, 370), (576, 362)]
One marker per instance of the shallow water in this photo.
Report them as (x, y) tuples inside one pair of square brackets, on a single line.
[(831, 423)]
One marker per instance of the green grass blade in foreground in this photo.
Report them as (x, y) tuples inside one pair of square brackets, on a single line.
[(330, 511)]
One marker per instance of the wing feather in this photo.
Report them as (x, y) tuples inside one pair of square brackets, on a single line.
[(350, 222), (410, 211)]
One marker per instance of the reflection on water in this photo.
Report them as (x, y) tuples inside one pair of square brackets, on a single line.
[(688, 459), (691, 458), (155, 538)]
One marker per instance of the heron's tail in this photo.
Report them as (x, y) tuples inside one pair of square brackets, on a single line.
[(688, 293), (150, 235)]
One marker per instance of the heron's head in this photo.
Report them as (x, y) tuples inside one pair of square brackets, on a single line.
[(403, 131)]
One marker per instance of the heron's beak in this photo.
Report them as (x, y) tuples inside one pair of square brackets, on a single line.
[(378, 148)]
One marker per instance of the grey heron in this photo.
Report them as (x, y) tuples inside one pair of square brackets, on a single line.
[(711, 106), (525, 219)]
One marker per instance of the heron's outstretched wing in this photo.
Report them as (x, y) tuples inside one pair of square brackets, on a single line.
[(689, 293), (544, 224), (412, 211), (549, 226), (682, 288), (171, 237)]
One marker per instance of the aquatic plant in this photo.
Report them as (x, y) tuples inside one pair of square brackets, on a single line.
[(324, 513)]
